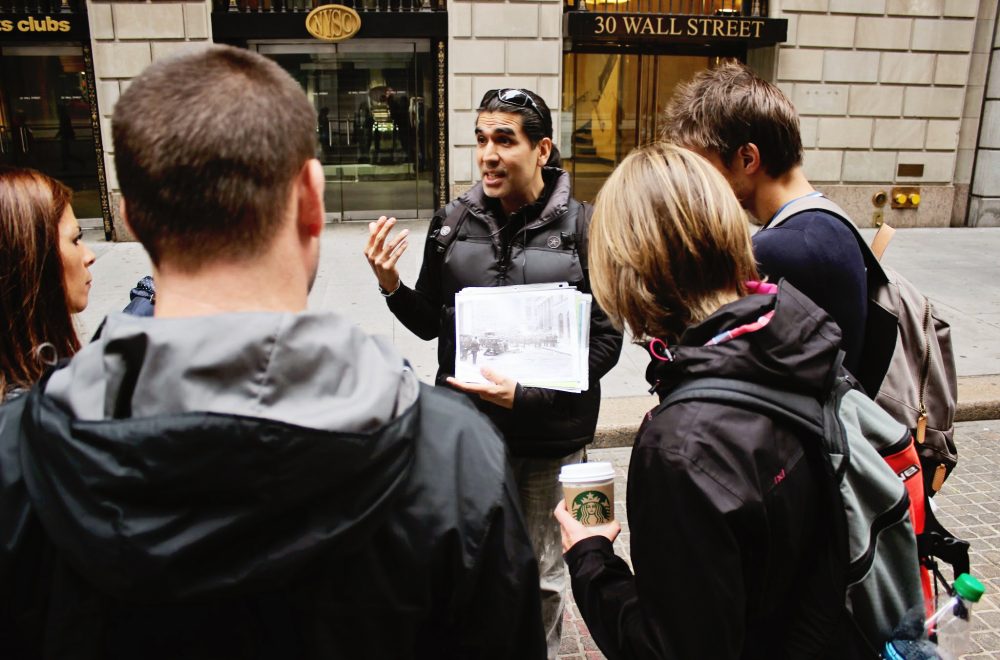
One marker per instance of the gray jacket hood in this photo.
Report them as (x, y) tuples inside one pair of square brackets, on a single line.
[(205, 457), (311, 369)]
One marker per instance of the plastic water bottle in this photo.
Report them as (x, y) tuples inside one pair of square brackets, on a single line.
[(952, 622)]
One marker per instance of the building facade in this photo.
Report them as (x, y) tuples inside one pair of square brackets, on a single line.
[(899, 99)]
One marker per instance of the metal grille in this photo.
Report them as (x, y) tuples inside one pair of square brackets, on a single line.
[(304, 6), (42, 7), (677, 7)]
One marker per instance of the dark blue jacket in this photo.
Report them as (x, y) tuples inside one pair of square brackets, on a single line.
[(143, 298), (820, 256)]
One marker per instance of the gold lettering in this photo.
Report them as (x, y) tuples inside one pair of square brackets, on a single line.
[(758, 25), (647, 27), (732, 28), (333, 22), (705, 22), (673, 26), (717, 28), (64, 26), (744, 29), (631, 24), (6, 26), (23, 26)]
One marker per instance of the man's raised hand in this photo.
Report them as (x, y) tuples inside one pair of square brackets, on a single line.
[(383, 254)]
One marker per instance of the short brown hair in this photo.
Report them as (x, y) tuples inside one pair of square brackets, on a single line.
[(32, 291), (206, 148), (722, 109), (668, 242)]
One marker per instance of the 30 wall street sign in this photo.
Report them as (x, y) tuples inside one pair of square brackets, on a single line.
[(586, 26), (333, 22)]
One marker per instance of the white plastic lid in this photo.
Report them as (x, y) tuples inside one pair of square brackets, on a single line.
[(584, 473)]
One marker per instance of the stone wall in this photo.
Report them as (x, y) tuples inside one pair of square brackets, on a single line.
[(493, 45), (984, 203), (880, 84), (127, 37)]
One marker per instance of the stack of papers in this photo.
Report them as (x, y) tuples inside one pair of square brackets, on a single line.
[(537, 334)]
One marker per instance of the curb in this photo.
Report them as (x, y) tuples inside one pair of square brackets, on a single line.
[(978, 399)]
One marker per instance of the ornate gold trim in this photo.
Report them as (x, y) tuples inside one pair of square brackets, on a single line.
[(333, 22), (95, 128), (442, 115)]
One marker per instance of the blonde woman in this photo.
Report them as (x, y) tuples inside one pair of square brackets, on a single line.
[(727, 534)]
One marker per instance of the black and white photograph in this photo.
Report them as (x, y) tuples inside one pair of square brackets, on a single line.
[(536, 335)]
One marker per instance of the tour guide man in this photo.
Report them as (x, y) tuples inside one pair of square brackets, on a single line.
[(519, 225)]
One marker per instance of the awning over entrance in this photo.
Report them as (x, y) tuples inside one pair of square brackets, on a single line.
[(234, 20), (586, 27), (666, 24)]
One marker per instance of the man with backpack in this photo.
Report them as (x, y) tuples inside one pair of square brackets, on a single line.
[(238, 477), (749, 130), (519, 225), (894, 344), (896, 348)]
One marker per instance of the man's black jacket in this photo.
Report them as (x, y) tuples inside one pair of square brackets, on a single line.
[(256, 486), (543, 242)]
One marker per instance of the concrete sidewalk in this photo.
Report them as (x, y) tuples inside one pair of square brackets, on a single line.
[(957, 268)]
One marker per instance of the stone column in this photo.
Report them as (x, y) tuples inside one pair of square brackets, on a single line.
[(126, 37), (493, 45), (984, 202)]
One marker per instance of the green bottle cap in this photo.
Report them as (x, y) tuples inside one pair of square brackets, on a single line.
[(969, 588)]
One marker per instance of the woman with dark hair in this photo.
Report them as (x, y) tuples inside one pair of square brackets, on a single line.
[(44, 275)]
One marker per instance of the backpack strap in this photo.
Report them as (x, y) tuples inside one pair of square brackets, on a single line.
[(820, 203), (881, 240), (583, 212), (797, 409), (448, 231), (808, 203)]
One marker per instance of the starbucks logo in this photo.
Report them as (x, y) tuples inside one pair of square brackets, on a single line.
[(591, 507)]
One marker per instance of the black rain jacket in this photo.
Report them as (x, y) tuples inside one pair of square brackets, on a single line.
[(540, 243), (256, 486), (724, 507)]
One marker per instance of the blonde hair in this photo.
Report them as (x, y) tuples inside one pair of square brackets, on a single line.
[(669, 243)]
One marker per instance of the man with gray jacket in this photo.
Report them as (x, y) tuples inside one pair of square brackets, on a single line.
[(238, 477)]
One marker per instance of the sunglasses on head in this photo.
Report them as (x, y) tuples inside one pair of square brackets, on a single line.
[(516, 97)]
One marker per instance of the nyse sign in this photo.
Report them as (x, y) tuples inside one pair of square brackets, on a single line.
[(333, 22), (587, 26)]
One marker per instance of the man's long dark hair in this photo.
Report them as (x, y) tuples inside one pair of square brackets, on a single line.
[(32, 291)]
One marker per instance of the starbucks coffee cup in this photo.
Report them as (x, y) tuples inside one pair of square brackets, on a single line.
[(589, 491)]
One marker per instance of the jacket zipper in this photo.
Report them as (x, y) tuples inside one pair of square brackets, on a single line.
[(924, 374)]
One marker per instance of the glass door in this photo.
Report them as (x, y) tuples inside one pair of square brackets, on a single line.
[(374, 122), (611, 104), (45, 119)]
